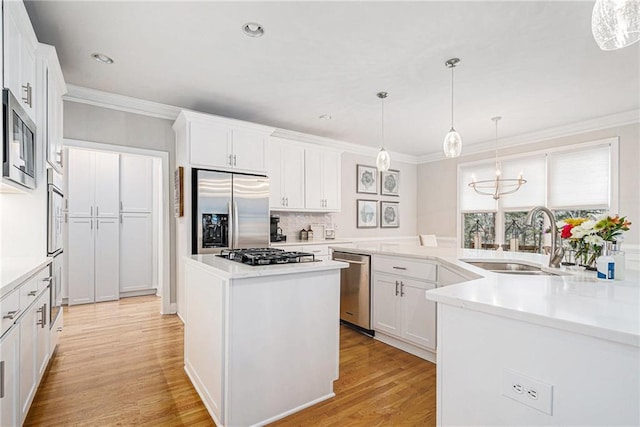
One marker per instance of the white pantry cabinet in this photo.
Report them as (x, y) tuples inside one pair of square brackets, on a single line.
[(92, 184), (322, 179), (93, 253), (400, 307), (286, 175), (19, 63), (219, 143), (136, 252), (10, 368), (136, 183)]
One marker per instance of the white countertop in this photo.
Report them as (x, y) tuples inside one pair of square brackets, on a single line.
[(298, 242), (575, 301), (14, 271), (234, 270)]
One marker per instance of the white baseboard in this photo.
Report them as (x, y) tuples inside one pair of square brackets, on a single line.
[(404, 346), (139, 293)]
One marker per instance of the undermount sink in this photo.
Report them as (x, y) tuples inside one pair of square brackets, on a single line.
[(512, 268)]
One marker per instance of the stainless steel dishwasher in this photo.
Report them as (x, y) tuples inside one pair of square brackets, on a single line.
[(355, 290)]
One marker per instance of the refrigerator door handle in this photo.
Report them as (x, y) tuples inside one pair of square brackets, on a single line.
[(236, 223), (232, 225)]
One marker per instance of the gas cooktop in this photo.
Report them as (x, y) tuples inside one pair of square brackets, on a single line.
[(266, 256)]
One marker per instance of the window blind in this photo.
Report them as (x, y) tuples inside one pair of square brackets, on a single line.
[(580, 178), (533, 192), (469, 199)]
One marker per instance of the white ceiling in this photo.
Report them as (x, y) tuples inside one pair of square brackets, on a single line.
[(534, 63)]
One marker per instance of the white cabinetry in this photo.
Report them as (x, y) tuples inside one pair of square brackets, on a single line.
[(136, 185), (322, 179), (20, 55), (401, 311), (92, 188), (51, 87), (10, 369), (286, 175), (106, 243), (215, 142), (136, 252)]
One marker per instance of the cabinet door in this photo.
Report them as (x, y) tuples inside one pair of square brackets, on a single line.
[(107, 177), (136, 252), (313, 178), (80, 183), (210, 145), (42, 340), (136, 183), (274, 172), (12, 46), (331, 172), (10, 368), (107, 287), (249, 151), (386, 305), (28, 74), (28, 336), (54, 123), (418, 314), (80, 258), (293, 176)]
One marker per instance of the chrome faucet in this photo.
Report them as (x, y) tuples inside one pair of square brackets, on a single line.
[(557, 253)]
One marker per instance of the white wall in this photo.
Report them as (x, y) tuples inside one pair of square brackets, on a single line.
[(95, 124), (437, 191)]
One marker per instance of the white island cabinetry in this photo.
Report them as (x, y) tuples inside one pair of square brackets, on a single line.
[(261, 342)]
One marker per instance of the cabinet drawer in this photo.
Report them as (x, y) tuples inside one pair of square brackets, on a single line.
[(423, 270), (28, 292), (317, 250), (44, 278), (9, 306)]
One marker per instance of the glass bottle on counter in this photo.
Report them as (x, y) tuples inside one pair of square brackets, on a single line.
[(304, 234), (310, 233)]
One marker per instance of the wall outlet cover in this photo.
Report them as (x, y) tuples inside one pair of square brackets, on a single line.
[(528, 391)]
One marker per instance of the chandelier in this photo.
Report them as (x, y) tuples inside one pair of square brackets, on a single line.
[(498, 186), (615, 23)]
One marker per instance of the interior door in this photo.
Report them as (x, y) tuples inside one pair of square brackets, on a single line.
[(250, 211)]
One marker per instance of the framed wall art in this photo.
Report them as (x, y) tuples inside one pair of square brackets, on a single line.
[(367, 179), (390, 183), (367, 211), (389, 215)]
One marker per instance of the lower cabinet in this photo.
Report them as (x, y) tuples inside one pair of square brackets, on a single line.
[(9, 373), (136, 252), (400, 309)]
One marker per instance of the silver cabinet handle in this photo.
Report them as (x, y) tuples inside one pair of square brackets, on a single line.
[(66, 218), (32, 293), (349, 261), (97, 224), (27, 98), (397, 287), (283, 201), (48, 279), (91, 214), (11, 314), (120, 204), (287, 201), (120, 218), (43, 313), (97, 210), (234, 160), (399, 268), (401, 289), (1, 379)]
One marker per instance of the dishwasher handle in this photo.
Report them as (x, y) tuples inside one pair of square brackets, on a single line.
[(350, 261)]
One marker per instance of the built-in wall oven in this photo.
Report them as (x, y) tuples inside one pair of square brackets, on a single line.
[(55, 225), (19, 143)]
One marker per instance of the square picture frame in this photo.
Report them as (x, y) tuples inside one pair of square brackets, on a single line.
[(390, 183), (367, 213), (389, 214), (366, 179)]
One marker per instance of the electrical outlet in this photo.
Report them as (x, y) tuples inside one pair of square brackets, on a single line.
[(528, 391)]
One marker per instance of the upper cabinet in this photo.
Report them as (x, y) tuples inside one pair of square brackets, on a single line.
[(19, 63), (303, 176), (218, 143), (136, 183), (92, 184), (51, 87)]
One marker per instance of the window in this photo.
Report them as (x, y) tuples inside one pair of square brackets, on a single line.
[(573, 181)]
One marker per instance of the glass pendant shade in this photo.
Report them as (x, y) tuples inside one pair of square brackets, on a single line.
[(615, 23), (383, 160), (452, 145)]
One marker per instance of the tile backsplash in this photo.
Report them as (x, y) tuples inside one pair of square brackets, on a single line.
[(292, 222)]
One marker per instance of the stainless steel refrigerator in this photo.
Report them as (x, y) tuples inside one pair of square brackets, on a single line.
[(230, 211)]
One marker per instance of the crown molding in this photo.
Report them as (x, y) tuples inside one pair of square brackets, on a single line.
[(113, 101), (341, 145), (591, 125)]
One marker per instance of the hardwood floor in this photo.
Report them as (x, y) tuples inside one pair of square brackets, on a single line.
[(121, 363)]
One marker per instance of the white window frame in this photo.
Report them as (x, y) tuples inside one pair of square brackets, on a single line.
[(614, 159)]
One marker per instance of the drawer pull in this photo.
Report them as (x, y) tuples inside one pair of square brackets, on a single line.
[(48, 279), (399, 268), (397, 287), (11, 315), (32, 293), (401, 289)]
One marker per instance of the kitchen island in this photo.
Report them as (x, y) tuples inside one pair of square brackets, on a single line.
[(530, 349), (261, 342)]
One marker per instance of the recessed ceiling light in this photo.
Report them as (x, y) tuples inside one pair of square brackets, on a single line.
[(101, 57), (252, 29), (325, 117)]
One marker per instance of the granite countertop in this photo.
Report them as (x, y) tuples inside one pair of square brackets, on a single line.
[(234, 270), (574, 300), (15, 270)]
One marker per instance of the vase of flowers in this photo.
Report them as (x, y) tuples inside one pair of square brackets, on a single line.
[(585, 237)]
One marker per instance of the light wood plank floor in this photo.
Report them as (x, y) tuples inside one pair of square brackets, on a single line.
[(121, 363)]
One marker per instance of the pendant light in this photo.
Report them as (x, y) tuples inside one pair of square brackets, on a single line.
[(383, 161), (452, 145), (615, 23), (498, 186)]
